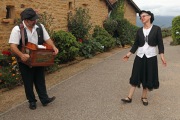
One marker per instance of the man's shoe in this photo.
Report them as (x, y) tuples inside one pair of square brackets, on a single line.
[(49, 100), (32, 105), (127, 100)]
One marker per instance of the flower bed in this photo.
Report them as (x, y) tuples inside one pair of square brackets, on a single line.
[(9, 71)]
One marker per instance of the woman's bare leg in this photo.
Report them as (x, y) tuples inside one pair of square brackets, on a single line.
[(144, 96), (144, 93), (131, 91)]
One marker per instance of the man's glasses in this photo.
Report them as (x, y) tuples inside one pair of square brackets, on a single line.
[(146, 38)]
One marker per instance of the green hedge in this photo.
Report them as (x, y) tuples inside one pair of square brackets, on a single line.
[(176, 30), (79, 23), (118, 11), (89, 48), (110, 26), (103, 37), (166, 32), (126, 31), (67, 45)]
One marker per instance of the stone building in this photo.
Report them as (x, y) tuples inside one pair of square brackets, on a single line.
[(10, 10)]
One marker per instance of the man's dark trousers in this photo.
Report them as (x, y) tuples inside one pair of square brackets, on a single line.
[(36, 76)]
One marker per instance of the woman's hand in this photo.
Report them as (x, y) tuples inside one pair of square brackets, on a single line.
[(163, 59), (126, 57)]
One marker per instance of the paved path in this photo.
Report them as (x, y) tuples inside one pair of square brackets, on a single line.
[(94, 94)]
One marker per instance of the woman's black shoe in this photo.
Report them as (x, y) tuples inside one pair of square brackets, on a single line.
[(32, 105), (127, 100), (145, 103)]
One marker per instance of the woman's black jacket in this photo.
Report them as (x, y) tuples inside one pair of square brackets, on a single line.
[(154, 38)]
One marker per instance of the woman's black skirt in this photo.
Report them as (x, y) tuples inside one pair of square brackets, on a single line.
[(145, 72)]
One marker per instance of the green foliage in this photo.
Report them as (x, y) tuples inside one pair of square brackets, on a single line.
[(176, 30), (126, 31), (89, 48), (118, 27), (103, 37), (110, 25), (67, 45), (118, 11), (10, 77), (79, 23), (47, 20), (52, 68), (17, 21), (119, 42), (9, 71), (166, 32)]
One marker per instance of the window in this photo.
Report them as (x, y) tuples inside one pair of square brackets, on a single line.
[(9, 12), (70, 6), (10, 15)]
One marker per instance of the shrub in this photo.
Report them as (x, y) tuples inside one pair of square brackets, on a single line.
[(10, 77), (126, 31), (47, 20), (110, 26), (5, 58), (176, 30), (67, 45), (52, 68), (118, 11), (166, 32), (103, 37), (79, 23), (9, 71), (89, 48)]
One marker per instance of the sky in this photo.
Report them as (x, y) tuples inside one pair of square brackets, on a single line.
[(160, 7)]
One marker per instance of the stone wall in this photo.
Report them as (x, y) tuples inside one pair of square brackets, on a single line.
[(57, 8), (129, 13)]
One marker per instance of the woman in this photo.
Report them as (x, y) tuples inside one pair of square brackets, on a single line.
[(145, 67)]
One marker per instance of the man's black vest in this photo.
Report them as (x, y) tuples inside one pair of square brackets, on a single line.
[(39, 33)]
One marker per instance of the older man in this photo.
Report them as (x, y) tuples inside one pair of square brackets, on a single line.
[(34, 75)]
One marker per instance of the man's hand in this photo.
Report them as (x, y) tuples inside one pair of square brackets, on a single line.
[(55, 51), (50, 42), (24, 57)]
